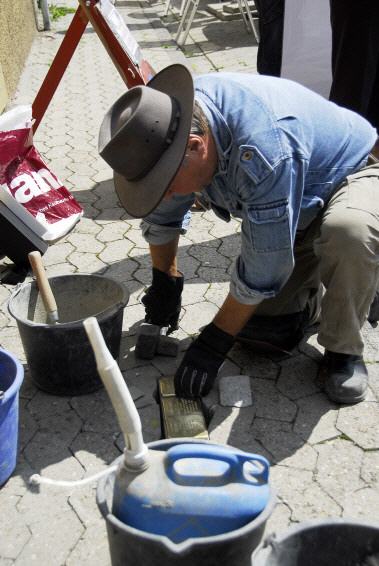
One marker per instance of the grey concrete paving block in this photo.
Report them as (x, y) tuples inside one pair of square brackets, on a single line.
[(167, 346), (51, 541), (306, 499), (373, 379), (270, 403), (297, 377), (147, 341), (14, 536), (363, 503), (92, 548), (235, 391), (94, 450), (151, 422), (360, 423), (257, 366), (370, 468), (280, 519), (316, 419), (196, 316), (286, 446), (338, 468)]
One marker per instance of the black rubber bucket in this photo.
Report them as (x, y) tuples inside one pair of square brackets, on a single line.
[(59, 356), (333, 542), (131, 547)]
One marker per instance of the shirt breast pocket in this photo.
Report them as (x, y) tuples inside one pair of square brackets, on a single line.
[(270, 227)]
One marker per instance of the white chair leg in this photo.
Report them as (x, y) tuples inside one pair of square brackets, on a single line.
[(184, 28)]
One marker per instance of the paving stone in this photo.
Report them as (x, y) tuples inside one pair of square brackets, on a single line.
[(49, 456), (94, 450), (370, 468), (85, 243), (286, 446), (113, 232), (255, 365), (96, 412), (44, 405), (362, 504), (208, 256), (305, 499), (151, 423), (316, 419), (338, 468), (233, 426), (51, 542), (279, 521), (371, 351), (83, 502), (145, 378), (360, 423), (297, 377), (235, 391), (373, 379), (134, 315), (196, 316), (14, 533), (116, 251), (270, 402), (194, 291), (123, 271), (86, 262), (27, 424), (92, 547), (217, 292), (311, 348), (57, 254)]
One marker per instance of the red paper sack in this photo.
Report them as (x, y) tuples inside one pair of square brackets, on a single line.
[(31, 190)]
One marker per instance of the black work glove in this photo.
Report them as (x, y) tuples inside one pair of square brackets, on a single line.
[(163, 300), (201, 362)]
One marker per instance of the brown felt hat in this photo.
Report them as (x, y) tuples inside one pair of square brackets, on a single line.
[(144, 135)]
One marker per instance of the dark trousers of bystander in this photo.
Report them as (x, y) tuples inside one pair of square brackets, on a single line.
[(355, 56), (271, 18)]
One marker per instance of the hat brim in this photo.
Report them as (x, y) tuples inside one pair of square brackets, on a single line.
[(141, 197)]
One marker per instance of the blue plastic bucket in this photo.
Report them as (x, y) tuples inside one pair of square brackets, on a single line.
[(11, 377)]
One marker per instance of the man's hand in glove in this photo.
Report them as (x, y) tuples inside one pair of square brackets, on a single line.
[(201, 362), (163, 300)]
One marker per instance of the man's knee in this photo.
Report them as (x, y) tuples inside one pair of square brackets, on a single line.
[(346, 237)]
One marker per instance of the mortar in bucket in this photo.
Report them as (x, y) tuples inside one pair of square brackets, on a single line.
[(178, 501), (340, 542), (11, 377), (59, 356)]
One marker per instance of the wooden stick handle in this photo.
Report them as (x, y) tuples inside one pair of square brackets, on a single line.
[(35, 260)]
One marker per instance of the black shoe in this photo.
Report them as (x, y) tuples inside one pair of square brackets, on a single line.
[(345, 377), (373, 315)]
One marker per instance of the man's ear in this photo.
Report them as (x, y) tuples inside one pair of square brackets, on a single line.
[(195, 143)]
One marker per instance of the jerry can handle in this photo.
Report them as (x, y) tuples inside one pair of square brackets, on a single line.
[(212, 452)]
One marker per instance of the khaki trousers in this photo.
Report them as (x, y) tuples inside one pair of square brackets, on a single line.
[(337, 265)]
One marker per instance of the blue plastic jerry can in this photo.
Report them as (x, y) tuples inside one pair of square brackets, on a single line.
[(193, 490)]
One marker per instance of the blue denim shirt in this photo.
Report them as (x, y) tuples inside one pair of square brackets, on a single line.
[(282, 152)]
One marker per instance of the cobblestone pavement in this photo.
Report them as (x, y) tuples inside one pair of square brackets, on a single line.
[(325, 459)]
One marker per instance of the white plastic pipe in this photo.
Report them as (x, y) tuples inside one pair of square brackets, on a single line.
[(136, 453)]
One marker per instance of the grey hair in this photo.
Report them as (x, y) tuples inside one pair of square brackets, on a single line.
[(199, 124)]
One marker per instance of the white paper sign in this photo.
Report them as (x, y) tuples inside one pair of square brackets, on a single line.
[(120, 30), (307, 44)]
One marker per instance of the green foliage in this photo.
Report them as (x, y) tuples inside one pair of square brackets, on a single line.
[(57, 12)]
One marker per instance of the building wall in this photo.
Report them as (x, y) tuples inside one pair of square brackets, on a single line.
[(17, 29)]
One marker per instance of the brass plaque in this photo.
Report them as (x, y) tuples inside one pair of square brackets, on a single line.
[(181, 417), (166, 387)]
